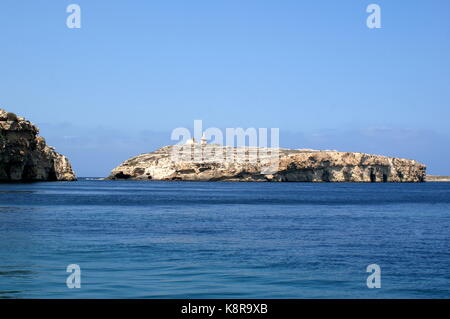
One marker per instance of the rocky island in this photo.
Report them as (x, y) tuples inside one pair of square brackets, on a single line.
[(24, 156), (214, 162)]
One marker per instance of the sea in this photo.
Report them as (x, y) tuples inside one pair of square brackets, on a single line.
[(131, 239)]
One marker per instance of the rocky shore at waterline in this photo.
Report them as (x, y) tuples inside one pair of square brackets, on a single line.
[(437, 178)]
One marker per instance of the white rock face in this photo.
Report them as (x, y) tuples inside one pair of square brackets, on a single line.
[(218, 163), (24, 156)]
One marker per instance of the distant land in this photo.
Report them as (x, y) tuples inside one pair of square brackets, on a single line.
[(214, 162), (436, 178), (24, 156)]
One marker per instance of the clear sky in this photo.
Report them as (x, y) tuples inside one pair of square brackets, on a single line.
[(137, 69)]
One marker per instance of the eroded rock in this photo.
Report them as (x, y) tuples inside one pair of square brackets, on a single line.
[(24, 156), (291, 166)]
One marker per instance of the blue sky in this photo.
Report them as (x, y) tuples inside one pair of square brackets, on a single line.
[(136, 70)]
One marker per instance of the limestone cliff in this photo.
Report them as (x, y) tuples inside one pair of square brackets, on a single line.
[(218, 163), (24, 156)]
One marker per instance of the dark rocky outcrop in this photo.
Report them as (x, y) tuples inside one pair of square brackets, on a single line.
[(24, 156)]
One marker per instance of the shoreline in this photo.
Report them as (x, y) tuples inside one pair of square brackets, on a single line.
[(437, 178)]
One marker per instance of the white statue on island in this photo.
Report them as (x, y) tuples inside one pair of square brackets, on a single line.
[(192, 141), (204, 140)]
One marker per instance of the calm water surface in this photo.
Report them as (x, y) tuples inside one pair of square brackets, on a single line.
[(224, 240)]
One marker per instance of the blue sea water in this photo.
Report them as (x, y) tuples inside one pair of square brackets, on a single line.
[(224, 240)]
